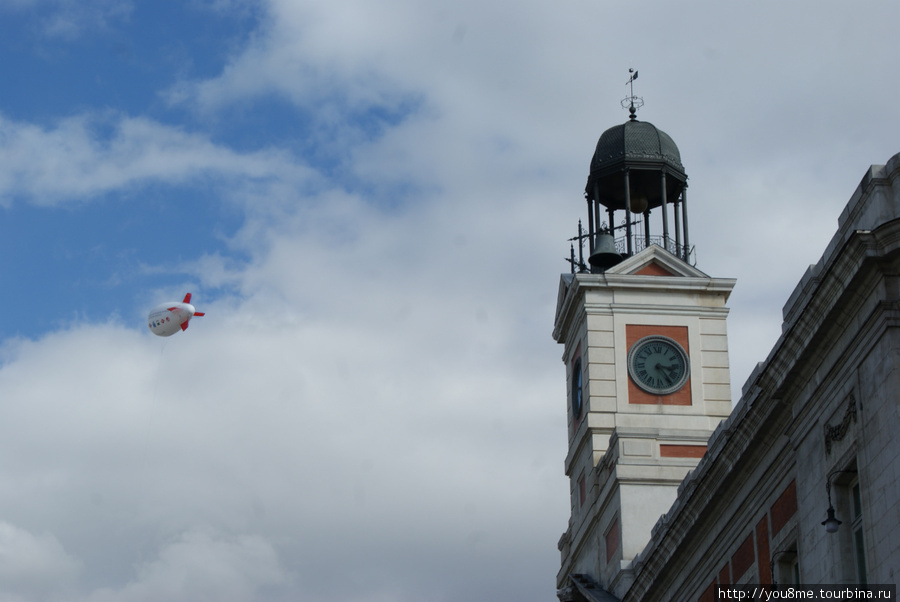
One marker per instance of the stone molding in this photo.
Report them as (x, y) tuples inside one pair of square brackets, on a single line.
[(839, 431)]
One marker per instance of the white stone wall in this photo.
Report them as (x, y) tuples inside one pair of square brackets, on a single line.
[(616, 447), (879, 428)]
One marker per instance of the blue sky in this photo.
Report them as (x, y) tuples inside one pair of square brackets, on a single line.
[(94, 252), (92, 255), (371, 202)]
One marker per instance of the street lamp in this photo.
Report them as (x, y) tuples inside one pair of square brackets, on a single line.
[(831, 522)]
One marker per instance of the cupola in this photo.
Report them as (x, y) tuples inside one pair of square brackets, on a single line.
[(636, 171)]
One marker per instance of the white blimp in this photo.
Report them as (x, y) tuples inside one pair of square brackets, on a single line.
[(167, 318)]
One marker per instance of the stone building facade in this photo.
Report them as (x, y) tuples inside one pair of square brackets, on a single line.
[(673, 492)]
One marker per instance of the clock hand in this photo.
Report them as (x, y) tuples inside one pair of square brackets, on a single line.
[(666, 375), (666, 372)]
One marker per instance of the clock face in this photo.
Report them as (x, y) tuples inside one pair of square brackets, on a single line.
[(658, 365)]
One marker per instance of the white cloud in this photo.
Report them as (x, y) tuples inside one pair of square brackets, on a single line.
[(77, 159), (33, 567), (204, 565), (332, 412), (72, 19)]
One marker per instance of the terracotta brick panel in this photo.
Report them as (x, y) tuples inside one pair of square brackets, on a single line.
[(612, 540), (681, 451), (725, 575), (784, 508), (762, 552), (635, 332), (709, 595), (653, 269), (743, 558)]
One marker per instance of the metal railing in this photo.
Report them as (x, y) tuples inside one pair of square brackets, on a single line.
[(639, 243)]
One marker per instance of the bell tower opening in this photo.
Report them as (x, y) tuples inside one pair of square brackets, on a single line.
[(635, 173)]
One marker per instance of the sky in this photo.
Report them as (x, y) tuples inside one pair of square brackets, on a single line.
[(370, 201)]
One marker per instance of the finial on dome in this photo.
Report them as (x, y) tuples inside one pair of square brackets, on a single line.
[(632, 103)]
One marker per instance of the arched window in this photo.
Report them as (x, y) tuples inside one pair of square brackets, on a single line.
[(577, 401)]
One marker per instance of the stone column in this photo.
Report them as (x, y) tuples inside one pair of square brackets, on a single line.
[(628, 249), (665, 211), (687, 242)]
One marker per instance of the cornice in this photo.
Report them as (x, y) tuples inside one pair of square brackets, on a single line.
[(654, 309), (575, 286), (667, 283), (582, 438)]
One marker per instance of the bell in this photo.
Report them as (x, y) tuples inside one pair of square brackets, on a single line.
[(639, 204), (604, 255)]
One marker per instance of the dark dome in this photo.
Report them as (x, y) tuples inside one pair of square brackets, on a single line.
[(638, 141), (644, 151)]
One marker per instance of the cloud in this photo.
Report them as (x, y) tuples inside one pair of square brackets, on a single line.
[(203, 565), (326, 410), (33, 566), (87, 156), (71, 19), (307, 55)]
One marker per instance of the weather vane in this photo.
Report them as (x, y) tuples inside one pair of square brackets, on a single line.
[(632, 103)]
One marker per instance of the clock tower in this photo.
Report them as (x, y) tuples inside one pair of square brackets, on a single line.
[(646, 356)]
